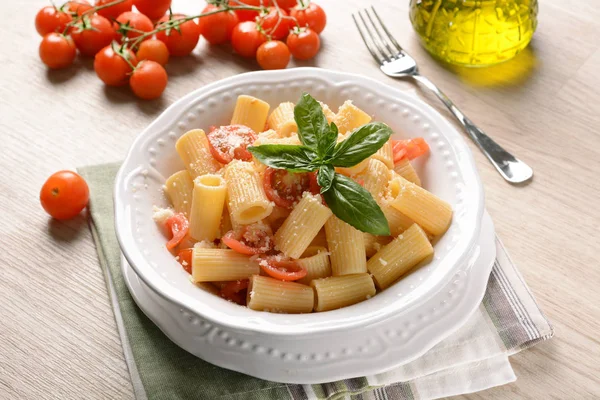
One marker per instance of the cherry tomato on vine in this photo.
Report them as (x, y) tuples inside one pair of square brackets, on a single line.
[(77, 6), (248, 15), (179, 42), (112, 68), (312, 16), (276, 24), (153, 9), (114, 11), (50, 19), (304, 44), (273, 55), (217, 28), (93, 34), (57, 50), (64, 194), (287, 4), (246, 39), (231, 141), (149, 80), (136, 21), (153, 50)]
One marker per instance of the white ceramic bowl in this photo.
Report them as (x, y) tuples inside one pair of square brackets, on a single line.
[(449, 172)]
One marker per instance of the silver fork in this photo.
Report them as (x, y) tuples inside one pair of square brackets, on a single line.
[(397, 63)]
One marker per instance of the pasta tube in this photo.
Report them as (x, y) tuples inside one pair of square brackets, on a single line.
[(212, 265), (385, 155), (405, 169), (178, 189), (194, 150), (350, 117), (376, 178), (247, 201), (316, 262), (341, 291), (282, 120), (268, 294), (251, 112), (347, 247), (207, 207)]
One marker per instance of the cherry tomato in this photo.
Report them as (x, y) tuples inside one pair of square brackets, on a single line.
[(50, 19), (77, 6), (149, 80), (180, 43), (57, 51), (275, 25), (273, 55), (136, 21), (284, 270), (251, 239), (229, 142), (285, 188), (409, 148), (179, 226), (64, 195), (246, 39), (153, 50), (217, 28), (234, 291), (312, 16), (95, 33), (287, 4), (153, 9), (185, 259), (113, 12), (248, 15), (112, 68), (304, 44)]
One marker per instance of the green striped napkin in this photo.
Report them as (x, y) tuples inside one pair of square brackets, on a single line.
[(473, 358)]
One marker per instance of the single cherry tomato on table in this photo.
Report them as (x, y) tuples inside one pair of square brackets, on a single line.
[(179, 226), (248, 15), (275, 24), (304, 44), (149, 80), (181, 41), (153, 50), (217, 28), (246, 39), (113, 11), (64, 195), (231, 141), (92, 34), (50, 19), (285, 270), (184, 257), (137, 21), (273, 55), (311, 15), (77, 6), (57, 50), (111, 67), (285, 188), (251, 239), (153, 9), (235, 291)]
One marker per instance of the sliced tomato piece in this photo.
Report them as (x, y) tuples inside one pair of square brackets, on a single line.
[(229, 142), (285, 188), (313, 184), (185, 259), (410, 148), (234, 291), (284, 270), (251, 239), (179, 226)]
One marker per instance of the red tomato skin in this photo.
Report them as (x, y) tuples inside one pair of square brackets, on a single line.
[(217, 28), (312, 16), (77, 6), (269, 22), (64, 195), (112, 12), (57, 51), (50, 19), (153, 9), (180, 44), (246, 39), (273, 55), (149, 80), (137, 21), (249, 15), (304, 45), (185, 259), (91, 41), (111, 68)]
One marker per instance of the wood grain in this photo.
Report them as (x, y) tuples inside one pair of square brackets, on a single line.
[(58, 337)]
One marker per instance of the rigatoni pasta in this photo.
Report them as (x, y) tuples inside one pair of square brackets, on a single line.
[(267, 238)]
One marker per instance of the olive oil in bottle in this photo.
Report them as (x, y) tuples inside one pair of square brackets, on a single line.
[(474, 33)]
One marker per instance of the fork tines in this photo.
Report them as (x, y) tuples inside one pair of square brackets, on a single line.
[(378, 39)]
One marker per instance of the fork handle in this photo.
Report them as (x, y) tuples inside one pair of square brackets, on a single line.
[(511, 168)]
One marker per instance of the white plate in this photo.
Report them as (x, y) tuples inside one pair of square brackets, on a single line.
[(449, 172), (353, 355)]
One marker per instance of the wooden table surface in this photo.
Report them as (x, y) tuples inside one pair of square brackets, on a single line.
[(57, 333)]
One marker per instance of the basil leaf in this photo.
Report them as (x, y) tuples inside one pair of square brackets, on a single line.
[(325, 177), (313, 129), (334, 135), (354, 205), (362, 143), (290, 157)]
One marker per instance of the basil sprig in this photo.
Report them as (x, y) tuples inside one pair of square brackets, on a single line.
[(320, 151)]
